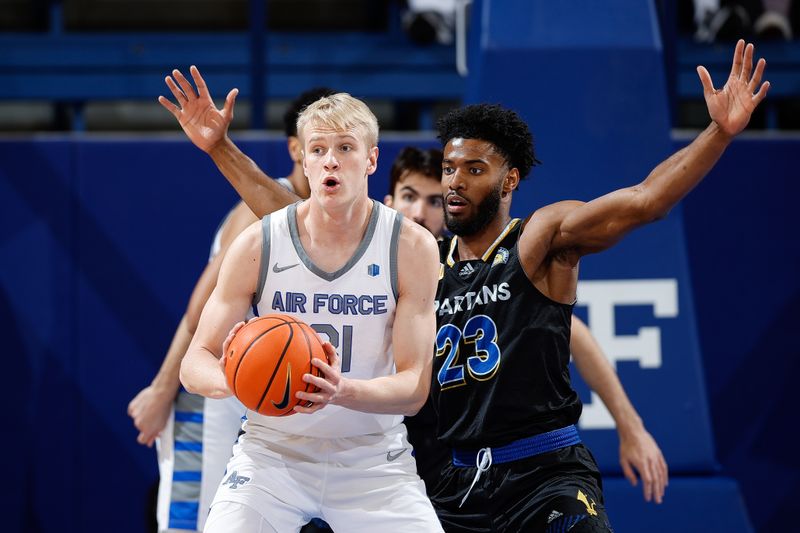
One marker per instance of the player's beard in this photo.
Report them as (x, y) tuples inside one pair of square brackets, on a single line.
[(484, 214)]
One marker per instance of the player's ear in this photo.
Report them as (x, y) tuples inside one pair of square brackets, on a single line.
[(295, 149), (373, 160), (388, 200), (511, 181)]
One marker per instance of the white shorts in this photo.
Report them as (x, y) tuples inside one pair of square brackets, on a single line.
[(367, 483), (193, 450)]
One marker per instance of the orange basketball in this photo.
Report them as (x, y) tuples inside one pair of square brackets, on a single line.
[(266, 362)]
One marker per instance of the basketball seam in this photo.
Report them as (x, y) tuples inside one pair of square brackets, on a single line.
[(277, 365), (241, 358)]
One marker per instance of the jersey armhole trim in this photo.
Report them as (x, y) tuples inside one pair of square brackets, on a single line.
[(394, 244), (264, 267)]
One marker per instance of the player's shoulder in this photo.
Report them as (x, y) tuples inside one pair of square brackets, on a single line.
[(549, 216), (413, 234)]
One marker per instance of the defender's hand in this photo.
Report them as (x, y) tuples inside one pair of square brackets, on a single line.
[(732, 106), (204, 124)]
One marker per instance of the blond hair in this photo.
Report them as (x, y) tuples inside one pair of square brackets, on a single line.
[(340, 112)]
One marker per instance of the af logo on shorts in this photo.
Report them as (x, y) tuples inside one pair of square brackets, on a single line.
[(235, 480)]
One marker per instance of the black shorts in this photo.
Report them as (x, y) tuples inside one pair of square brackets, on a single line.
[(552, 492)]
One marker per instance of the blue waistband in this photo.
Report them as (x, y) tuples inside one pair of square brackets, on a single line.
[(520, 449)]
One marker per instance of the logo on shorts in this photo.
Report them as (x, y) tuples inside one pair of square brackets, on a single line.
[(235, 480), (391, 456), (585, 501)]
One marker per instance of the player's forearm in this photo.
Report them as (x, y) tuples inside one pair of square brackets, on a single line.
[(403, 393), (201, 374), (675, 177), (260, 192), (167, 380), (601, 378)]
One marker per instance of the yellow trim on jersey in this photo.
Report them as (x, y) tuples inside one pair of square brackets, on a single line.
[(499, 238), (450, 261), (510, 226)]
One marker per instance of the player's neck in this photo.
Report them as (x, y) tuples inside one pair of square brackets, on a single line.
[(474, 246), (340, 223)]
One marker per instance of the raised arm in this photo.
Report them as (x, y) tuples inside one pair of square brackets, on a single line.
[(638, 450), (413, 337), (599, 224), (201, 372), (207, 127)]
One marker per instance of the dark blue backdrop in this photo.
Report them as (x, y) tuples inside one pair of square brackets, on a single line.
[(102, 240)]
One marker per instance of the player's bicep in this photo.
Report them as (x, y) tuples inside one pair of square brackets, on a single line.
[(415, 322), (232, 297), (594, 226)]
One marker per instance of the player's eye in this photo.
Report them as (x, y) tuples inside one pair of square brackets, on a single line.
[(447, 170), (437, 201)]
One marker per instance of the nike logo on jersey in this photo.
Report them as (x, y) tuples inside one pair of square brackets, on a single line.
[(391, 456), (276, 268), (285, 401)]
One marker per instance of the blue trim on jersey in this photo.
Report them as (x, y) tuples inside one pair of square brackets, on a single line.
[(187, 475), (520, 449), (183, 446), (186, 416), (183, 515)]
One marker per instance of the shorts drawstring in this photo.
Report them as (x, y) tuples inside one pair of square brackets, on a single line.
[(483, 461)]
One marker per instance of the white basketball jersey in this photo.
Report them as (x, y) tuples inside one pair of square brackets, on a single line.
[(353, 308)]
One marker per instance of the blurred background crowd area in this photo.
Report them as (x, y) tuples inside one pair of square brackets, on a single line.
[(98, 65)]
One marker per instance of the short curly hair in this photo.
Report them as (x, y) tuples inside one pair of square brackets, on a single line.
[(297, 106), (495, 124)]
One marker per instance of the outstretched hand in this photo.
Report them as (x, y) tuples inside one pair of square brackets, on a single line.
[(639, 452), (732, 106), (204, 124)]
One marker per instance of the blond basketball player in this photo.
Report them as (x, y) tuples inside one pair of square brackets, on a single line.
[(346, 459)]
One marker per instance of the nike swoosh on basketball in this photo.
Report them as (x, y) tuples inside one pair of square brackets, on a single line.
[(276, 268), (392, 456), (285, 401)]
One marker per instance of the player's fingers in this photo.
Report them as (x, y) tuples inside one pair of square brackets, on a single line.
[(647, 481), (665, 470), (762, 93), (230, 101), (169, 106), (736, 66), (758, 73), (319, 382), (202, 88), (705, 79), (747, 63), (308, 410), (328, 370), (180, 97), (330, 353), (184, 83), (628, 472)]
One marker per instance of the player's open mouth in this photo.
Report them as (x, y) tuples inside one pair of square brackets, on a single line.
[(455, 203), (330, 183)]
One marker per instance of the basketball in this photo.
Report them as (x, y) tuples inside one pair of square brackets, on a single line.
[(266, 361)]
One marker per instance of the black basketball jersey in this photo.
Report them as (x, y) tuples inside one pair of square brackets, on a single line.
[(502, 351)]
